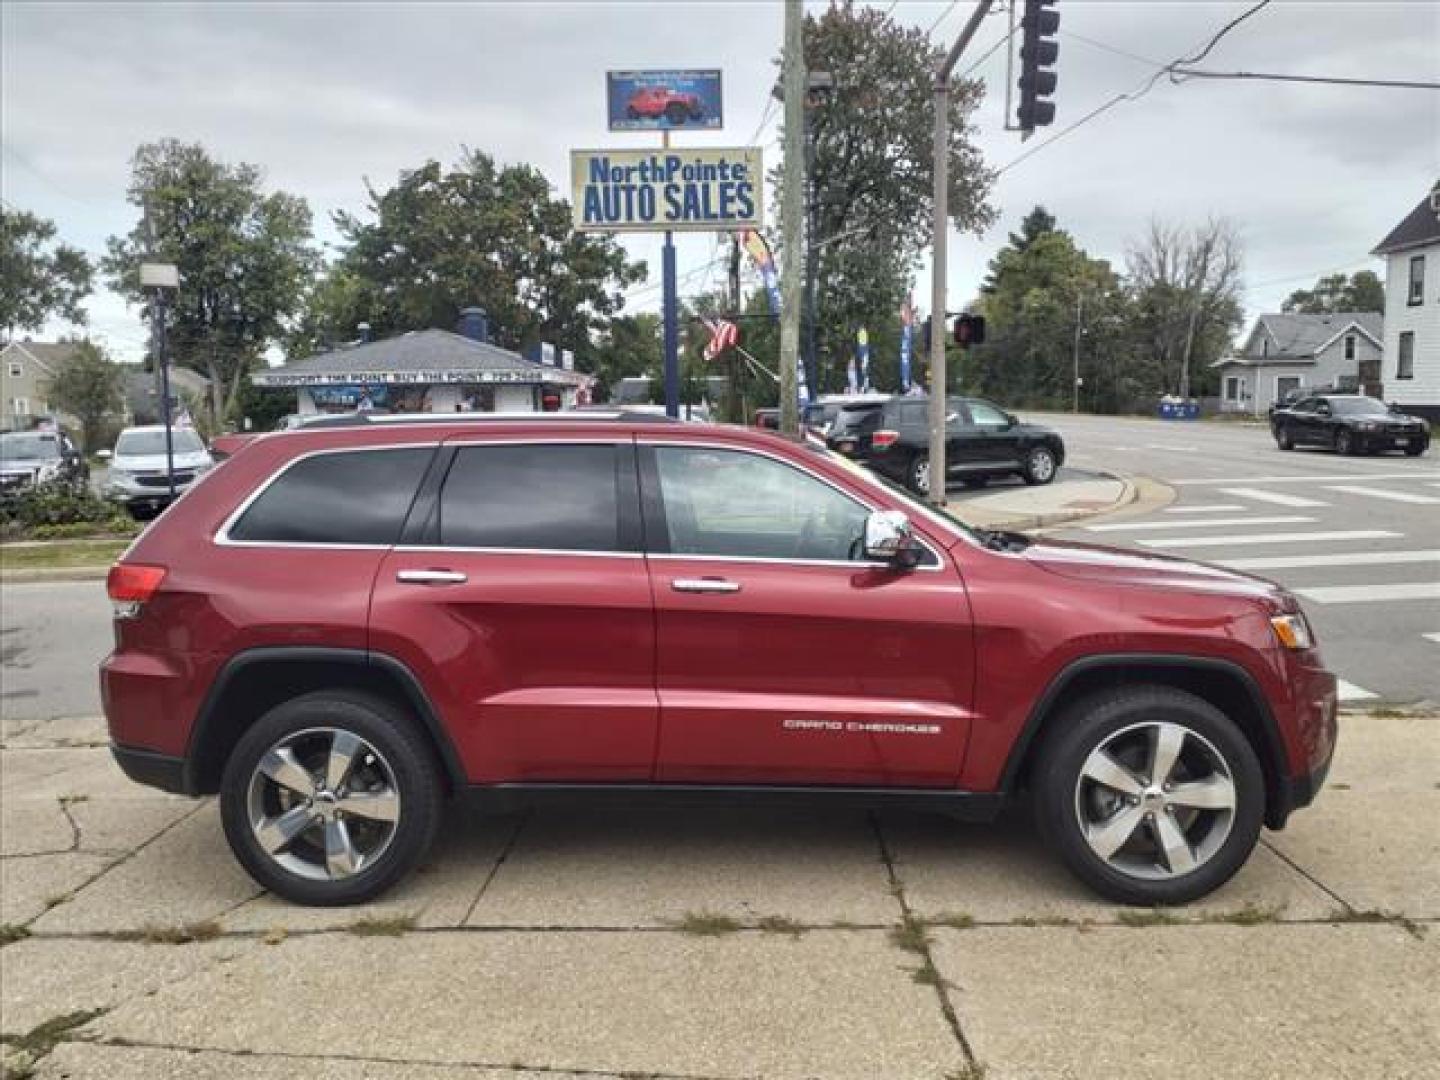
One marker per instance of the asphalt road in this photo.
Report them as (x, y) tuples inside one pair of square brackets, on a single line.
[(1355, 538), (53, 636)]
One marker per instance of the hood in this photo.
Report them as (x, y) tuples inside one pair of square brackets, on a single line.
[(1112, 566), (156, 462)]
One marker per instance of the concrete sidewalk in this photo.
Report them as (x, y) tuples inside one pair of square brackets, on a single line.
[(714, 943), (1059, 503)]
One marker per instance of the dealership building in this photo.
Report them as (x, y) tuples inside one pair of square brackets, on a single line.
[(430, 371)]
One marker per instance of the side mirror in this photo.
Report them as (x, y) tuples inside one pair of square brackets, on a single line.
[(888, 538), (104, 455)]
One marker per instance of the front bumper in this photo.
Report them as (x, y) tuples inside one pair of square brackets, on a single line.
[(1316, 707), (131, 493), (1389, 440)]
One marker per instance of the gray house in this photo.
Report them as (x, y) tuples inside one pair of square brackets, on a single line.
[(1292, 351)]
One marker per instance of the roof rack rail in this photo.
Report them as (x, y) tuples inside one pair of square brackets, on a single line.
[(362, 419)]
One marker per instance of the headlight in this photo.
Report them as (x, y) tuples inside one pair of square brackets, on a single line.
[(1368, 425), (49, 471), (1293, 632), (120, 476)]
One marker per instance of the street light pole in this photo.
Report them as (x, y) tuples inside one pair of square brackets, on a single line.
[(159, 279), (1075, 387), (941, 227)]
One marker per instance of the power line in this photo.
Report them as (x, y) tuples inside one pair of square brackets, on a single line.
[(1180, 74), (987, 54), (942, 17)]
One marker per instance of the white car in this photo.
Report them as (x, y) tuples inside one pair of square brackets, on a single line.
[(137, 478)]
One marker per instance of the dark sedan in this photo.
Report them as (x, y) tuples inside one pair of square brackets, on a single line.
[(982, 441), (1348, 424)]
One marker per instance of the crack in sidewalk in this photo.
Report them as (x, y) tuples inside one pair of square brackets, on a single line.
[(434, 1063), (495, 868), (924, 949)]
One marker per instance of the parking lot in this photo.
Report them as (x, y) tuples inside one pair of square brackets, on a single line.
[(715, 943)]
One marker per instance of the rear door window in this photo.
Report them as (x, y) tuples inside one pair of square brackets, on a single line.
[(345, 497), (556, 497)]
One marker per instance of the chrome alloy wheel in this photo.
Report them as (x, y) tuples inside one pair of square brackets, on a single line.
[(922, 476), (323, 803), (1042, 465), (1155, 801)]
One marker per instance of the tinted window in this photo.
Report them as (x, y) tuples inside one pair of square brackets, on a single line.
[(913, 413), (548, 497), (345, 497), (727, 502), (1359, 406), (857, 421), (1306, 405), (26, 447)]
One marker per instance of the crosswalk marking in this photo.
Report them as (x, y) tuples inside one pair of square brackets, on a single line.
[(1217, 508), (1300, 478), (1366, 594), (1269, 538), (1126, 526), (1276, 497), (1348, 691), (1352, 558), (1381, 493)]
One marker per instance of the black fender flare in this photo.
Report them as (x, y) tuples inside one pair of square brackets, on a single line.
[(209, 715)]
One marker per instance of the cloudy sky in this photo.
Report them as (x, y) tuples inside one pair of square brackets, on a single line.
[(323, 95)]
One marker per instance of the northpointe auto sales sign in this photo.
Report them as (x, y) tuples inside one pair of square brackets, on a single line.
[(699, 189)]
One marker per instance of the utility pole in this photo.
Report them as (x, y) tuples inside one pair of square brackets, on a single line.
[(737, 402), (793, 271), (941, 229), (1075, 384), (670, 317)]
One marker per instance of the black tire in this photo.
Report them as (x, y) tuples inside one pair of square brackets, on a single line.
[(632, 112), (917, 473), (1283, 439), (1345, 442), (1417, 449), (417, 782), (1088, 725), (1040, 465)]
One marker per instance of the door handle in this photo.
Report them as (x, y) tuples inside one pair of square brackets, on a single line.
[(431, 577), (705, 585)]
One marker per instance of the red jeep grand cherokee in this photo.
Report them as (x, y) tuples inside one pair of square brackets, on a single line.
[(347, 623)]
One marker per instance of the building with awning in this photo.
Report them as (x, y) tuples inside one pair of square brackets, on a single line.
[(429, 371)]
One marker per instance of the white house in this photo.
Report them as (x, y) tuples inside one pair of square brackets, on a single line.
[(1411, 365), (1292, 351)]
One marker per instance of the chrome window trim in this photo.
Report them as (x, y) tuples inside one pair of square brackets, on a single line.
[(869, 508), (222, 536), (457, 549)]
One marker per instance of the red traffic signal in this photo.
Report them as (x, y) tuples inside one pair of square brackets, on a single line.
[(970, 330)]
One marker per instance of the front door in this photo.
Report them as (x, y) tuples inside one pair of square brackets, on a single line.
[(522, 602), (997, 434), (783, 657)]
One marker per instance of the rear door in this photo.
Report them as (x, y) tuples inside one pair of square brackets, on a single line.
[(519, 595), (783, 657)]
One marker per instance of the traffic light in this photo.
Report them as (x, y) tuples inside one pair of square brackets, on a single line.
[(970, 330), (1038, 52)]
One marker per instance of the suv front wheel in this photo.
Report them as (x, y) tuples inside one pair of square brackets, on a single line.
[(331, 798), (1039, 467), (1150, 795)]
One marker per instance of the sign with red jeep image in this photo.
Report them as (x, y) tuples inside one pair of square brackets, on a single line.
[(664, 100)]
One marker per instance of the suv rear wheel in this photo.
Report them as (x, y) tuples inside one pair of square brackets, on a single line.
[(1150, 795), (917, 474), (331, 798), (1039, 467), (1283, 439)]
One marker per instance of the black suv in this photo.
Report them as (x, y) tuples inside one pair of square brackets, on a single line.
[(1348, 424), (982, 441)]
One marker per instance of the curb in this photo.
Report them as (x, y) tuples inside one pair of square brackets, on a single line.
[(1133, 490), (31, 575)]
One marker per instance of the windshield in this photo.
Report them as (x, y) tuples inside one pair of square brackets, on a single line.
[(26, 446), (147, 443), (1359, 407)]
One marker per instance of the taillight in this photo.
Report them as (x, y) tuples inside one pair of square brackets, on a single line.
[(130, 585), (883, 440)]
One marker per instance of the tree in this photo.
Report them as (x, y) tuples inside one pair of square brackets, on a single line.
[(1362, 291), (90, 388), (245, 259), (1186, 284), (442, 240), (1045, 299), (630, 347), (872, 169), (38, 282)]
